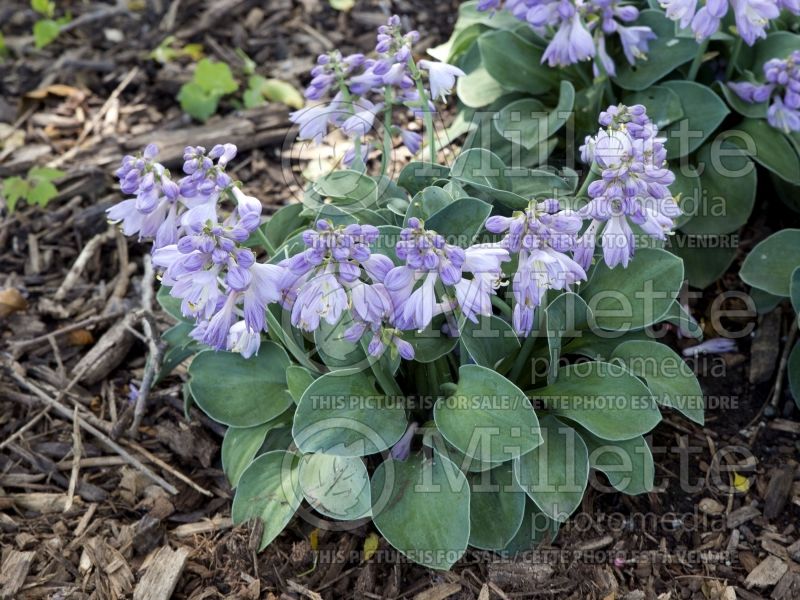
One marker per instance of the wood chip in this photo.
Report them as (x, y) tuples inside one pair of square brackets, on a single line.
[(784, 425), (13, 572), (440, 592), (161, 577), (207, 526), (768, 572), (742, 515), (710, 506), (764, 351), (42, 502), (778, 489)]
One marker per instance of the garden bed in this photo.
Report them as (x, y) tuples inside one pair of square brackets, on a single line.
[(153, 513)]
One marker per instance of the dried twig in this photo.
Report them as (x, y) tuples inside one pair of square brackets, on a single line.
[(80, 263), (17, 348), (77, 451), (64, 412)]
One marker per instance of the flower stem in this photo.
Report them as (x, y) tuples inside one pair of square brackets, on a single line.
[(698, 60), (276, 329), (427, 117), (265, 241), (522, 358), (590, 177), (737, 48), (387, 129)]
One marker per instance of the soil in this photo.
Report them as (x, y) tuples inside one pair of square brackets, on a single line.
[(78, 519)]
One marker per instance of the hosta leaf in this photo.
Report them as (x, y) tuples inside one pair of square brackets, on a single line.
[(515, 62), (669, 378), (606, 399), (536, 528), (728, 179), (421, 507), (336, 486), (341, 414), (665, 54), (269, 490), (633, 298), (703, 113), (487, 417), (496, 508), (770, 264), (491, 342), (628, 464), (768, 147), (241, 444), (555, 474), (241, 392)]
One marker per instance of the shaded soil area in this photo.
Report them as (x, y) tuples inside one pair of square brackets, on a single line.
[(87, 511)]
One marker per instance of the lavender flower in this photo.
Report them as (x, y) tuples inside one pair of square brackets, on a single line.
[(430, 260), (541, 236), (782, 86), (713, 346), (633, 186), (752, 17), (364, 87), (578, 30)]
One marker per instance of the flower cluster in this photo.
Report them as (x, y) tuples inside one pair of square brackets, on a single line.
[(633, 185), (782, 87), (430, 260), (157, 211), (578, 29), (363, 87), (752, 17), (541, 236)]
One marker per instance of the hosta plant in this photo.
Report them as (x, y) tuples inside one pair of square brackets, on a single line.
[(448, 353), (718, 78)]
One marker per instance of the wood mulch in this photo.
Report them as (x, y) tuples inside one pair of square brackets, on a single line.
[(89, 511)]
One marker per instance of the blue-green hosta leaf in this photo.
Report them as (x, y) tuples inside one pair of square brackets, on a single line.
[(633, 298), (241, 392), (705, 257), (461, 221), (496, 508), (703, 113), (432, 438), (555, 474), (681, 318), (566, 316), (663, 104), (478, 88), (336, 486), (268, 490), (241, 444), (728, 179), (600, 344), (669, 378), (297, 381), (536, 528), (606, 399), (528, 123), (768, 147), (284, 223), (515, 62), (794, 290), (764, 301), (687, 189), (421, 507), (341, 413), (172, 306), (480, 166), (348, 188), (417, 175), (628, 464), (487, 417), (427, 202), (757, 110), (491, 342), (666, 53), (770, 264)]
